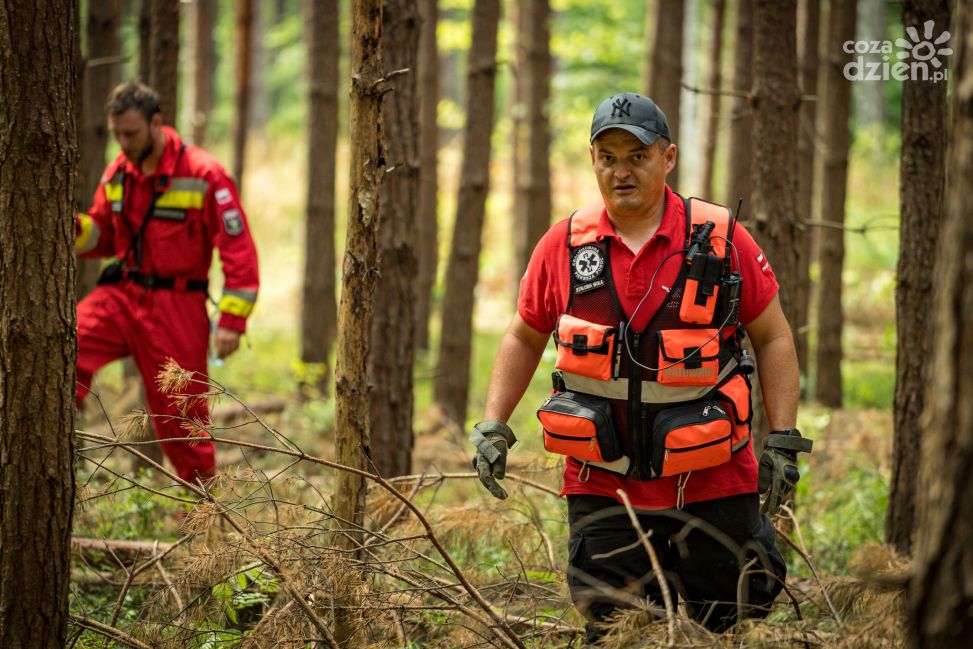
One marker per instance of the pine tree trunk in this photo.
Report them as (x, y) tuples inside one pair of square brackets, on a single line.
[(739, 160), (921, 187), (715, 79), (518, 139), (319, 310), (199, 71), (360, 276), (100, 76), (940, 596), (831, 177), (164, 56), (243, 21), (393, 328), (537, 217), (808, 30), (664, 72), (428, 221), (259, 111), (145, 40), (869, 97), (452, 377), (38, 339)]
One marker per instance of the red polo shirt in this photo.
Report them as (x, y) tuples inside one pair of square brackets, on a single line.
[(544, 292)]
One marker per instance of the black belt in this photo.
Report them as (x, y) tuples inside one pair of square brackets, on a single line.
[(177, 283)]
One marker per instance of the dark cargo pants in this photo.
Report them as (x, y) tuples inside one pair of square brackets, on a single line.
[(702, 549)]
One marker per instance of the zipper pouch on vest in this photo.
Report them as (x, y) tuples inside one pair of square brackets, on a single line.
[(690, 437), (688, 357), (585, 348), (735, 394), (579, 425)]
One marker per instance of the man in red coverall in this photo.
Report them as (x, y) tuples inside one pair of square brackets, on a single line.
[(161, 208), (706, 524)]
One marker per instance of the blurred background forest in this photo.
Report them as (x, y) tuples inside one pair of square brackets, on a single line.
[(596, 48)]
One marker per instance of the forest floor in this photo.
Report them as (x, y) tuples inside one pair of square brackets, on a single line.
[(264, 529)]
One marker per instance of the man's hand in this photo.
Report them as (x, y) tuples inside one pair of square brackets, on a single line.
[(225, 342), (777, 474), (492, 439)]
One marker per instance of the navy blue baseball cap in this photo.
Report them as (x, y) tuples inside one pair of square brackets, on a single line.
[(631, 112)]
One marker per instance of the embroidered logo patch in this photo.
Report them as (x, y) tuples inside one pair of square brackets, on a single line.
[(223, 196), (588, 263), (233, 222)]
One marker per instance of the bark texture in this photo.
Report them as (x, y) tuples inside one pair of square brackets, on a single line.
[(831, 177), (922, 177), (38, 341), (715, 79), (533, 222), (808, 31), (452, 377), (941, 590), (199, 68), (738, 185), (145, 39), (664, 71), (319, 309), (164, 56), (100, 76), (427, 218), (393, 329), (241, 86)]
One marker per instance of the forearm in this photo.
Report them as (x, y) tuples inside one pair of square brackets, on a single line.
[(779, 381), (516, 360)]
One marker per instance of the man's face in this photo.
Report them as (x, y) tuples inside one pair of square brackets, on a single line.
[(631, 175), (134, 133)]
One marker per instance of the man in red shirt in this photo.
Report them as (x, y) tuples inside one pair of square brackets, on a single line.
[(621, 273), (161, 208)]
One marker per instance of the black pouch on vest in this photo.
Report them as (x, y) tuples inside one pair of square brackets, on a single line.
[(579, 425), (111, 274), (690, 437)]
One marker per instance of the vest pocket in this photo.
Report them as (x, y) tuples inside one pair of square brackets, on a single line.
[(579, 425), (585, 348), (735, 393), (688, 357), (690, 437)]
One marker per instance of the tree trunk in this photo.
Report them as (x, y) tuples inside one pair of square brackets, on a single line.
[(536, 217), (776, 100), (453, 374), (921, 185), (393, 329), (738, 186), (145, 40), (869, 98), (319, 311), (808, 29), (38, 339), (664, 72), (100, 76), (164, 56), (428, 239), (715, 80), (518, 141), (940, 596), (831, 178), (259, 111), (241, 87), (360, 276), (199, 102)]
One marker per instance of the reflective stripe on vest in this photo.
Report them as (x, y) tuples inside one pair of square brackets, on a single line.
[(184, 194), (652, 392)]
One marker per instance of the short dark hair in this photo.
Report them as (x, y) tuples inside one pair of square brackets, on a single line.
[(133, 94)]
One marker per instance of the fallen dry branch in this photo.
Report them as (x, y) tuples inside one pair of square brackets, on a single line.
[(129, 551)]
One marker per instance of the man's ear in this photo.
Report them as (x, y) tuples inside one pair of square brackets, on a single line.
[(671, 154), (591, 150), (156, 120)]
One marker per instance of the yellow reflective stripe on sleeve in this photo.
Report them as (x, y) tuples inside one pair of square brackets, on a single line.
[(235, 306), (181, 200), (87, 239), (113, 192)]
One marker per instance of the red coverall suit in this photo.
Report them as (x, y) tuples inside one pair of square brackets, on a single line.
[(158, 310)]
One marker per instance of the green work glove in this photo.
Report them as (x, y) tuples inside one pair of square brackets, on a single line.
[(777, 474), (492, 438)]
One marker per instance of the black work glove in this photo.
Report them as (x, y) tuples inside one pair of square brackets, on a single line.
[(777, 474), (492, 438)]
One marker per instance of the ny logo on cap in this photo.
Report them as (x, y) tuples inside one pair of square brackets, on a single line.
[(621, 106)]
